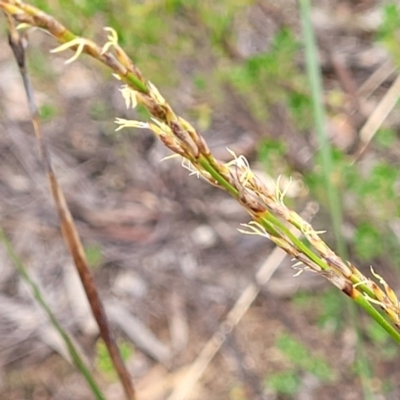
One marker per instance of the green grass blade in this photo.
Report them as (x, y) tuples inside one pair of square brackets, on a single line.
[(326, 159), (334, 200), (80, 365)]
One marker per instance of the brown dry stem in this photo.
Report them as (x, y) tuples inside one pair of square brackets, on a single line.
[(68, 228)]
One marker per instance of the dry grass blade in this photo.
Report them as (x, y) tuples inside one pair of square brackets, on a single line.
[(250, 293), (378, 116), (376, 79), (68, 227)]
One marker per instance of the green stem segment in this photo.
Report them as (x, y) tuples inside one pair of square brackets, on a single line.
[(296, 242), (377, 316), (217, 176)]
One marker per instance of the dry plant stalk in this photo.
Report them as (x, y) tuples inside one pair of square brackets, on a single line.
[(270, 216), (68, 228), (378, 116)]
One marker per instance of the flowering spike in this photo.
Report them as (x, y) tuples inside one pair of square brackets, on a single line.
[(170, 157), (254, 228), (112, 39), (391, 311), (389, 291), (155, 94), (23, 25), (231, 152), (277, 187), (378, 277), (297, 264), (243, 165), (126, 123), (190, 167), (164, 127), (308, 230), (79, 42), (130, 96), (280, 194)]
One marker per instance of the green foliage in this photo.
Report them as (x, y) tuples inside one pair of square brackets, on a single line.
[(272, 154), (387, 349), (43, 5), (287, 382), (40, 67), (142, 112), (367, 242), (99, 110), (375, 191), (380, 182), (174, 6), (303, 299), (262, 78), (340, 169), (300, 107), (217, 17), (47, 112), (371, 199), (385, 138), (325, 306), (389, 32), (103, 361), (301, 360), (331, 310), (70, 9), (94, 255)]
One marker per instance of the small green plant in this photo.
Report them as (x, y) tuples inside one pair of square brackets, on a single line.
[(103, 362), (385, 138), (302, 357), (286, 382), (272, 154), (301, 360), (325, 306), (94, 255), (47, 112), (365, 242), (274, 67), (389, 32), (389, 351)]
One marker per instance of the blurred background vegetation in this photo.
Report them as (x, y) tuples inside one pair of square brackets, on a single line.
[(236, 69)]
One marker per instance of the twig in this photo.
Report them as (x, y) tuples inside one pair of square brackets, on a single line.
[(378, 116), (382, 73)]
